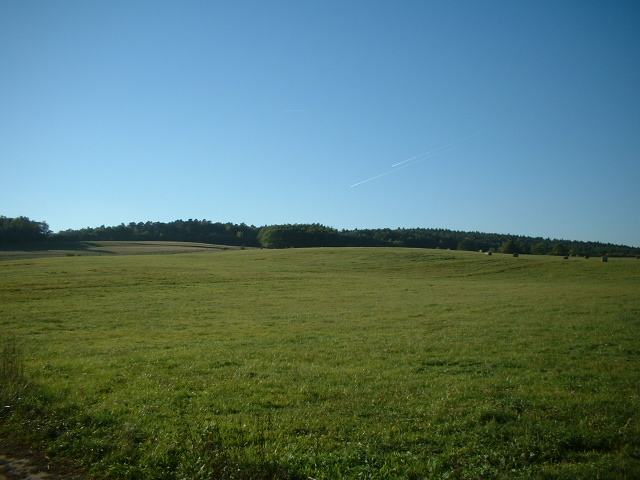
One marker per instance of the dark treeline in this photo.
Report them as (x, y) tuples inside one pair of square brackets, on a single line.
[(288, 236), (23, 230), (202, 231)]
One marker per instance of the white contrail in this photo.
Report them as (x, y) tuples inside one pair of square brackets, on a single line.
[(399, 168), (372, 178), (435, 150), (405, 164)]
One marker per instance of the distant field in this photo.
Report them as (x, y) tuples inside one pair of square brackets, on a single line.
[(326, 363), (70, 249)]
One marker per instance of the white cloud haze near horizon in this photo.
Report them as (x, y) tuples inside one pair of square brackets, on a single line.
[(304, 112)]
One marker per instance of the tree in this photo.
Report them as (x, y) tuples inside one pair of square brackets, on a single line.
[(510, 246), (467, 244), (22, 230), (300, 236), (541, 248), (559, 249)]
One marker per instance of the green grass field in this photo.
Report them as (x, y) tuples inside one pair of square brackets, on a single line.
[(326, 364)]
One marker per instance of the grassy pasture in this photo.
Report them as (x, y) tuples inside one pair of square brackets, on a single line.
[(327, 363)]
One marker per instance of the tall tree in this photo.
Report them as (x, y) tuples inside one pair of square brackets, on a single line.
[(22, 230), (559, 249), (510, 246)]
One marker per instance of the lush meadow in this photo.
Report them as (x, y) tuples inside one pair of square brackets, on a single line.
[(324, 364)]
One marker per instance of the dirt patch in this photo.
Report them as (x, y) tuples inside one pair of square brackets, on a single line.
[(13, 468), (20, 462)]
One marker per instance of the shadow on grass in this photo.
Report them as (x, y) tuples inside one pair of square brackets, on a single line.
[(51, 249)]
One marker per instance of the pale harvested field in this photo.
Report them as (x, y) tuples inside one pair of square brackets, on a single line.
[(71, 249)]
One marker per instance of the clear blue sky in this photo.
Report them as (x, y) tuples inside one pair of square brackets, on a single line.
[(268, 112)]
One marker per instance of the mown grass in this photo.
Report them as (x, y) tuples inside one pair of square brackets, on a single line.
[(328, 363)]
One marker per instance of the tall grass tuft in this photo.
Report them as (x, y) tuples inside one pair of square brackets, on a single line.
[(12, 379), (232, 452), (11, 362)]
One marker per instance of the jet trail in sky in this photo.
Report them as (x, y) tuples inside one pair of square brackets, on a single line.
[(372, 178), (405, 164), (435, 150), (399, 168)]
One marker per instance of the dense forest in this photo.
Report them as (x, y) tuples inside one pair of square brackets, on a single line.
[(22, 230)]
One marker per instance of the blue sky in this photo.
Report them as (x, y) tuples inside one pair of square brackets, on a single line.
[(268, 112)]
